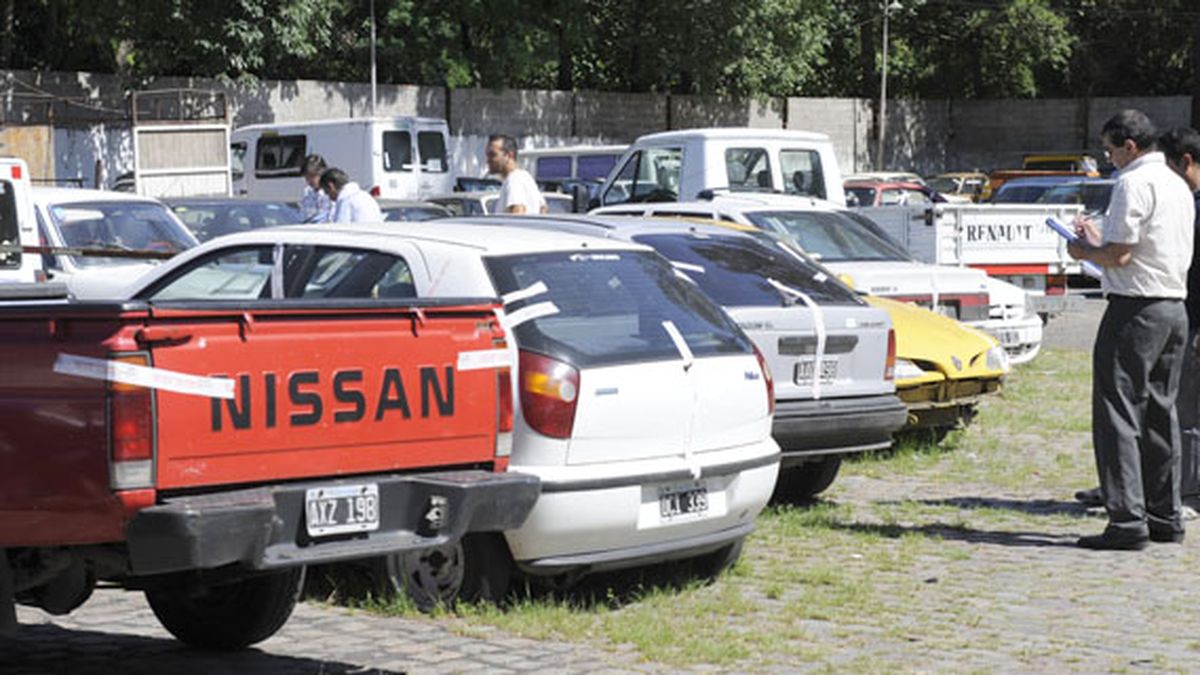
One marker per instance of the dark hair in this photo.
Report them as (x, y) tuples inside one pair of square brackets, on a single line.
[(335, 177), (1132, 125), (1180, 141), (507, 143), (313, 164)]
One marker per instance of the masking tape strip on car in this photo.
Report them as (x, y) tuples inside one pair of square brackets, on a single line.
[(143, 376), (483, 359), (524, 293), (818, 323), (686, 352), (529, 313)]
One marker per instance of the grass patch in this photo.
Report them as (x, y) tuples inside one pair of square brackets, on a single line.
[(819, 581)]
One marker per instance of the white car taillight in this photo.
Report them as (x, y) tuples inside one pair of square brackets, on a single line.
[(889, 366), (549, 393)]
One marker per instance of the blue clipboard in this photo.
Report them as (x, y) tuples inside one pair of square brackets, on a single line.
[(1089, 268)]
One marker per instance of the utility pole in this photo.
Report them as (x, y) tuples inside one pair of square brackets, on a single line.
[(888, 8), (374, 97)]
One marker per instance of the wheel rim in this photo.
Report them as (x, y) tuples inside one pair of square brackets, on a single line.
[(432, 576)]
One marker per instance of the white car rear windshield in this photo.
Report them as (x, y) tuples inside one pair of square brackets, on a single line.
[(609, 307), (737, 271)]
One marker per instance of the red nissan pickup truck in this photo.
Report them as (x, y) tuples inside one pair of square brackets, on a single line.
[(205, 452)]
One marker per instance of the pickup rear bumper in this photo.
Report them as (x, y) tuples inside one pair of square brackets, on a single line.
[(264, 527), (806, 429)]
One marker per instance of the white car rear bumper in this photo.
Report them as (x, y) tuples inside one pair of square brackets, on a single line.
[(610, 515)]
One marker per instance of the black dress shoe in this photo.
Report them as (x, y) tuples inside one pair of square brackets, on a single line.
[(1166, 536), (1109, 542), (1091, 497)]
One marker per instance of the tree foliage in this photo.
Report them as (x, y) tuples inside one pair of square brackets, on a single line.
[(938, 48)]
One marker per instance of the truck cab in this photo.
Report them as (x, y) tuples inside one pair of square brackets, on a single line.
[(678, 165), (17, 224)]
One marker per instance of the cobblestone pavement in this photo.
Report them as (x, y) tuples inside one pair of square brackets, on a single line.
[(115, 632), (1019, 590)]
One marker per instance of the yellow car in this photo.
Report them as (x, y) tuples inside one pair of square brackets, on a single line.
[(942, 366)]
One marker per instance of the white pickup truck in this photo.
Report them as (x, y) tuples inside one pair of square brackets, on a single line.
[(678, 165), (1008, 241), (17, 227)]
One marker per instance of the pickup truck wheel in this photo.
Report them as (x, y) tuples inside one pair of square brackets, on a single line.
[(477, 568), (228, 616), (802, 483), (711, 565)]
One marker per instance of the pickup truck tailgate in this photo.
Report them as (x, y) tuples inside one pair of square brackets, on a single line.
[(370, 391)]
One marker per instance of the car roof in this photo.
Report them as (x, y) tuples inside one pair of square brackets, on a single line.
[(343, 121), (625, 227), (1043, 180), (58, 195), (736, 133), (493, 235), (406, 203), (222, 201)]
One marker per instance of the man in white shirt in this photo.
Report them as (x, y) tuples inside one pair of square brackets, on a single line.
[(519, 192), (1144, 244), (351, 204), (314, 205)]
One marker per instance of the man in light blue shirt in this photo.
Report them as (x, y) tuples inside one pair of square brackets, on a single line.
[(315, 205)]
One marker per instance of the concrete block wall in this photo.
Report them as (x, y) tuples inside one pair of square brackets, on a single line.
[(515, 112), (1164, 111), (690, 112), (998, 133), (617, 117), (847, 122), (917, 136)]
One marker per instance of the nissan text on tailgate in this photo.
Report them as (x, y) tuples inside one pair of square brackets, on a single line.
[(205, 452)]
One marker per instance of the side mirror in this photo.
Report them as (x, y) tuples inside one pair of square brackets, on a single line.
[(581, 198)]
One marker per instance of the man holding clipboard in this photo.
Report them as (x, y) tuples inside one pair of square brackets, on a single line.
[(1144, 247)]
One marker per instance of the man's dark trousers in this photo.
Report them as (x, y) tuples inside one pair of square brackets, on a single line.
[(1136, 369)]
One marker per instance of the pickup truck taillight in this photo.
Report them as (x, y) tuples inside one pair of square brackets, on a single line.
[(504, 428), (762, 365), (131, 431), (549, 392), (889, 366)]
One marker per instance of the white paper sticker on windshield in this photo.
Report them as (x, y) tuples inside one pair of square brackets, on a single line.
[(143, 376), (530, 313), (484, 358), (524, 293), (687, 267)]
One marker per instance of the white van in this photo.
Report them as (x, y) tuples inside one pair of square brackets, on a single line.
[(678, 165), (391, 157), (17, 224), (579, 162)]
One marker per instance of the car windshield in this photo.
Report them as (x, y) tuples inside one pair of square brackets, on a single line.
[(412, 213), (944, 185), (213, 219), (829, 236), (1020, 194), (1093, 196), (738, 271), (119, 225), (610, 307), (865, 196)]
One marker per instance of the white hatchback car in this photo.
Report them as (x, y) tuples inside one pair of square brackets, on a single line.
[(640, 404), (859, 250)]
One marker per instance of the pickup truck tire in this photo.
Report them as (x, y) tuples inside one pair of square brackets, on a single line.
[(228, 616), (477, 568), (802, 483)]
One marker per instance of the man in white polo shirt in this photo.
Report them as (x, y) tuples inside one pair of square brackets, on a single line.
[(1144, 244)]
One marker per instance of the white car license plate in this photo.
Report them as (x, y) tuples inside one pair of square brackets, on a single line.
[(341, 509), (804, 371), (681, 500)]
